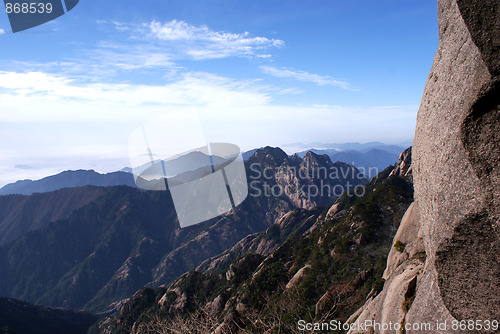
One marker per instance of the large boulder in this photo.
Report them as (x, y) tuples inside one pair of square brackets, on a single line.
[(456, 159)]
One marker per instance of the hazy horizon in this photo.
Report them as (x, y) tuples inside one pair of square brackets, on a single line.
[(23, 172), (257, 73)]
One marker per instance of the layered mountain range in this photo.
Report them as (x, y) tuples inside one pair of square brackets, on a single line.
[(369, 161), (68, 179), (310, 264), (369, 158), (88, 247)]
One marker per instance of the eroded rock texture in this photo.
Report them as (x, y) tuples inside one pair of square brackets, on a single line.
[(468, 262), (456, 159)]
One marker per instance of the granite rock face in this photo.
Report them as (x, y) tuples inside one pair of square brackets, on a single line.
[(456, 159), (403, 167), (457, 182)]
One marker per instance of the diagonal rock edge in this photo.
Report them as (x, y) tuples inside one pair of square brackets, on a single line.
[(451, 233)]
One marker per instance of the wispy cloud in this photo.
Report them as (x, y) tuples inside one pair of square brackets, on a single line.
[(200, 42), (152, 46), (57, 121), (53, 95), (115, 56), (321, 80)]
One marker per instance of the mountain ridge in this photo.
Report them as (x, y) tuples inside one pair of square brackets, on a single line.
[(309, 264), (23, 213), (68, 179), (100, 250)]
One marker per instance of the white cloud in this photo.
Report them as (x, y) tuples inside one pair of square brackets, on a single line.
[(40, 96), (56, 122), (321, 80), (126, 58), (2, 31), (152, 46), (201, 42)]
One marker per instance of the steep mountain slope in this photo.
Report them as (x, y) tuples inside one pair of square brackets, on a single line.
[(66, 262), (122, 238), (249, 153), (19, 213), (17, 317), (68, 179), (277, 184), (295, 222), (321, 268)]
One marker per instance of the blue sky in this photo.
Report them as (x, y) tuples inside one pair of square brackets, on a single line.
[(258, 72)]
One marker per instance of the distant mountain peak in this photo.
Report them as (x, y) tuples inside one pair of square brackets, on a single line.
[(68, 179), (312, 159), (274, 155), (294, 160)]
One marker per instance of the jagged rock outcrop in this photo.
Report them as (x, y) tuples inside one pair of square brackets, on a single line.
[(403, 167), (456, 159), (277, 184), (295, 222), (315, 180)]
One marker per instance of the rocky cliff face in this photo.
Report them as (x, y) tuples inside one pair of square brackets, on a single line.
[(456, 152), (403, 167), (305, 182)]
